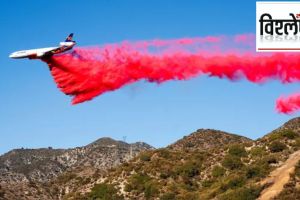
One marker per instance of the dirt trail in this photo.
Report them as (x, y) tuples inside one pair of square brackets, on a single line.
[(279, 177)]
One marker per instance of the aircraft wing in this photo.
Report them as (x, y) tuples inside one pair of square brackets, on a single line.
[(54, 51)]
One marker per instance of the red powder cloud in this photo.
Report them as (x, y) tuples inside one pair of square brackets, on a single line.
[(88, 72)]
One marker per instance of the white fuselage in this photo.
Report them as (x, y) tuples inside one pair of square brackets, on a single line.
[(27, 53), (39, 53)]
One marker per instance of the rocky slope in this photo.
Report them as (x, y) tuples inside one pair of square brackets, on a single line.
[(207, 164), (206, 139), (30, 170)]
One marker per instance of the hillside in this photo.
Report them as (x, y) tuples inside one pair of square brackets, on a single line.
[(207, 164), (278, 178), (206, 139), (30, 170)]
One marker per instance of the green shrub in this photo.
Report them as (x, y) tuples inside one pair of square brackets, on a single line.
[(168, 196), (218, 171), (258, 151), (189, 144), (237, 150), (270, 159), (145, 156), (297, 143), (277, 146), (254, 171), (128, 188), (189, 196), (164, 153), (189, 169), (274, 136), (289, 134), (207, 183), (137, 182), (297, 170), (165, 175), (289, 193), (151, 189), (104, 191), (243, 193), (232, 162), (261, 168), (142, 183), (233, 182)]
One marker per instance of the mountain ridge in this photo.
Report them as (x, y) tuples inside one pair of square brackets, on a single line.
[(26, 166), (207, 138), (207, 163)]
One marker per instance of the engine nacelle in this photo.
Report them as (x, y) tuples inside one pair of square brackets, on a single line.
[(40, 54)]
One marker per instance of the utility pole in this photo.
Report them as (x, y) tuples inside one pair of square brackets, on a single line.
[(131, 156)]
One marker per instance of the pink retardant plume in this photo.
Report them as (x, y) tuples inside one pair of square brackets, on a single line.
[(288, 104), (85, 73)]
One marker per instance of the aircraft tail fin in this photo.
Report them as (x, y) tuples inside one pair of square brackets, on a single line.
[(69, 38)]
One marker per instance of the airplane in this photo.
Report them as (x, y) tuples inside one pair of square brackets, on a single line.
[(45, 52)]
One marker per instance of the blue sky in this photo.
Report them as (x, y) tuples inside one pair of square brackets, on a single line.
[(34, 113)]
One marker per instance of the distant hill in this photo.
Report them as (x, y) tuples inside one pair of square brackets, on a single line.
[(22, 168), (207, 164), (205, 139)]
